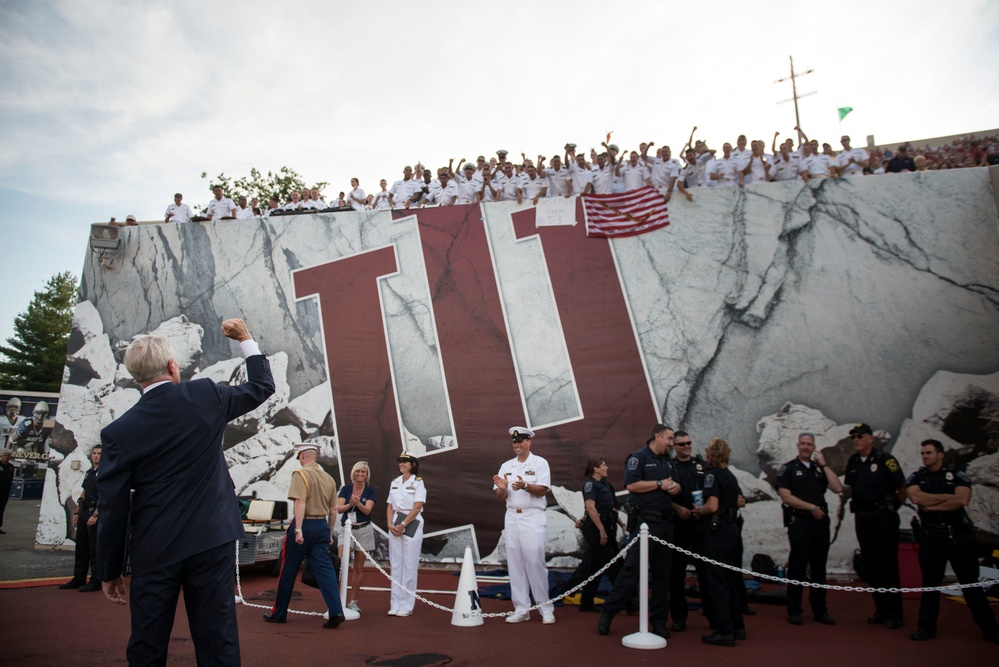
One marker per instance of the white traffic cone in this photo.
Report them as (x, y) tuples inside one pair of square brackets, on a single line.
[(467, 611)]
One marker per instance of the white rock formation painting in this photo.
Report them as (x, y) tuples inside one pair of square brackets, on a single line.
[(758, 313)]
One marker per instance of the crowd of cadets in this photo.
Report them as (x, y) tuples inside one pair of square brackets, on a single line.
[(612, 170)]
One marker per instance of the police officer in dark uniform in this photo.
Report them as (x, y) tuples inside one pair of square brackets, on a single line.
[(946, 535), (802, 485), (688, 530), (86, 531), (650, 478), (878, 489), (722, 500), (599, 528)]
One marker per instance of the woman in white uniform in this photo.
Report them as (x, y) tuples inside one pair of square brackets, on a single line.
[(356, 501), (405, 522)]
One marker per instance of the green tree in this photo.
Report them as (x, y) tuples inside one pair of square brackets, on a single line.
[(263, 187), (36, 354)]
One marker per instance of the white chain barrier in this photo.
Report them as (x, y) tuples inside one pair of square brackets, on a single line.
[(621, 554), (832, 587)]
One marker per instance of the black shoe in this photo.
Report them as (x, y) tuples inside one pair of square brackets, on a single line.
[(273, 619), (740, 635), (90, 587), (893, 623), (922, 635), (661, 630), (334, 621), (592, 608), (795, 619), (72, 583), (604, 622), (678, 627), (877, 619), (718, 639), (825, 619), (746, 611)]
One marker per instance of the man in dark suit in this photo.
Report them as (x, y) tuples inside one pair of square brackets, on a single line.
[(183, 514)]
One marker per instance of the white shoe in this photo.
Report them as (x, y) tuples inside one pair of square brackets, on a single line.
[(548, 619), (393, 612), (518, 617), (404, 613), (353, 605)]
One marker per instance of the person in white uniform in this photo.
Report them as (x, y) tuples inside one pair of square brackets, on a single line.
[(523, 482), (178, 211), (407, 495)]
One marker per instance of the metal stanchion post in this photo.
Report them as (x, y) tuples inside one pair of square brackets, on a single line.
[(643, 639)]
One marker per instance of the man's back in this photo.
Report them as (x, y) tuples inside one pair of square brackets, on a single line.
[(168, 448)]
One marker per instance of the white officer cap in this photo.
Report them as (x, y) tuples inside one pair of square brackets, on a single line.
[(521, 432)]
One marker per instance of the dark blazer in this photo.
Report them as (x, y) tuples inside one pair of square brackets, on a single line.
[(168, 448)]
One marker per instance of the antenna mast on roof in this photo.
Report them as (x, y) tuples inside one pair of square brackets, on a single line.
[(794, 90)]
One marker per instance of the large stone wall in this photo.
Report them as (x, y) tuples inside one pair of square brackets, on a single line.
[(757, 313)]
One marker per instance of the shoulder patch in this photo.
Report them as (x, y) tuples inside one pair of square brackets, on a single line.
[(892, 464), (963, 476), (780, 471), (709, 480), (588, 486), (633, 463)]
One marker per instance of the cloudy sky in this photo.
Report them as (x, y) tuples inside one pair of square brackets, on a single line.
[(109, 107)]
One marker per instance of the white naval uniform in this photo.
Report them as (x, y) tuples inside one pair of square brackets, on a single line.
[(404, 551), (633, 177), (356, 205), (842, 161), (524, 533), (181, 213), (559, 181)]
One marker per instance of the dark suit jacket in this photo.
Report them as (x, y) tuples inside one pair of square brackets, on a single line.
[(168, 448)]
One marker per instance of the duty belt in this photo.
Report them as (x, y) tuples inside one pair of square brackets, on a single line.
[(656, 515), (862, 506)]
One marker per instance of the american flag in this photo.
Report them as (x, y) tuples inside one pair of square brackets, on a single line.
[(625, 214)]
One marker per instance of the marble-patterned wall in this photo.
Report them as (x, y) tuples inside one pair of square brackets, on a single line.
[(757, 311)]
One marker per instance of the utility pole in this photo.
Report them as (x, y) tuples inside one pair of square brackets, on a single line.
[(794, 90)]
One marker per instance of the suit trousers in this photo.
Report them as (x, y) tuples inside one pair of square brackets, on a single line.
[(689, 535), (524, 534), (207, 580), (877, 535), (86, 548), (316, 546), (626, 584), (809, 551), (934, 554)]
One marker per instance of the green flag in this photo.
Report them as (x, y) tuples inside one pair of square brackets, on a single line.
[(843, 111)]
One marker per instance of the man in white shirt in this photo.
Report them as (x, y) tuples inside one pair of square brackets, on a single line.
[(664, 172), (522, 483), (488, 190), (382, 199), (603, 174), (533, 188), (317, 200), (851, 161), (402, 191), (785, 165), (725, 171), (243, 210), (814, 164), (446, 192), (559, 180), (756, 167), (296, 202), (178, 211), (634, 174), (510, 184), (356, 197), (579, 171), (220, 207)]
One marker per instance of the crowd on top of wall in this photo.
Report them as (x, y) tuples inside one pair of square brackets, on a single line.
[(608, 170)]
